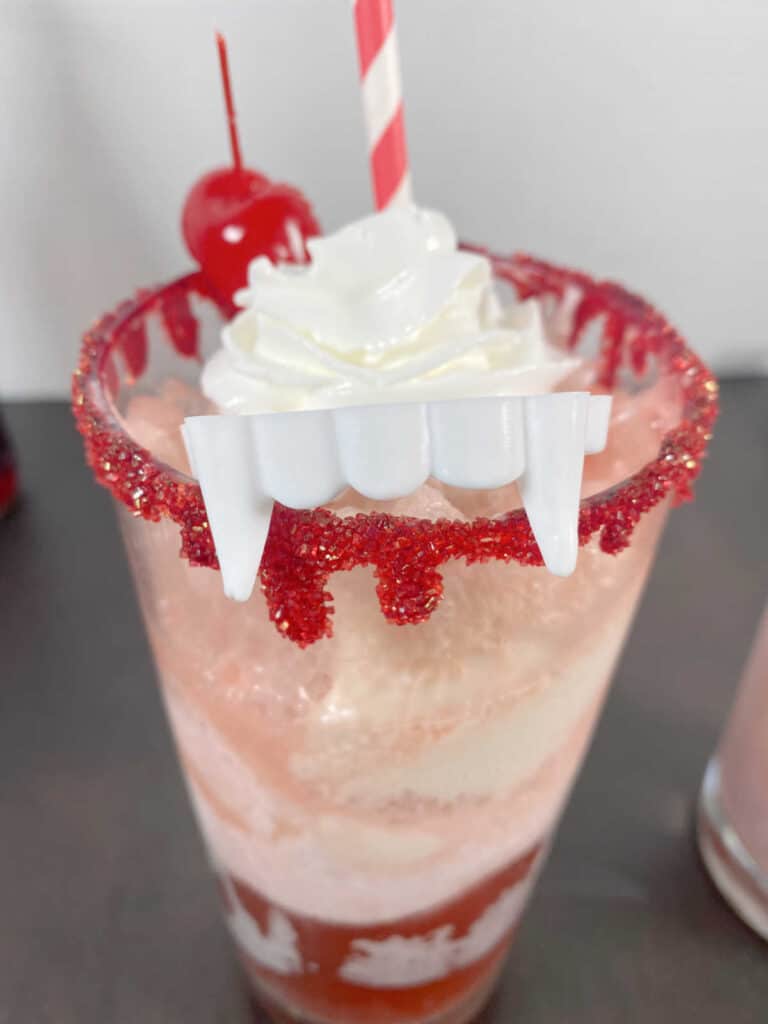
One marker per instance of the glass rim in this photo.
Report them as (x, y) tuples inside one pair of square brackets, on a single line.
[(633, 332)]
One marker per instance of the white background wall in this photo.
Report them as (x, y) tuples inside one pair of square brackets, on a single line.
[(626, 136)]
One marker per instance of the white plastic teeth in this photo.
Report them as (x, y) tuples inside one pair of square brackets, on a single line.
[(304, 459)]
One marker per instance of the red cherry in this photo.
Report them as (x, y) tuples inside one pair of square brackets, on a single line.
[(216, 198), (234, 214), (275, 223)]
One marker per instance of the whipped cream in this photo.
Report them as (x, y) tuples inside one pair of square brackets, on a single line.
[(388, 309)]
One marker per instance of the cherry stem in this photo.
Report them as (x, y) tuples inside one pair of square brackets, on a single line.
[(234, 139)]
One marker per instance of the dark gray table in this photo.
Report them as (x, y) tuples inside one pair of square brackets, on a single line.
[(107, 912)]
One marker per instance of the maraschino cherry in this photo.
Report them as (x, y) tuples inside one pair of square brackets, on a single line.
[(234, 214)]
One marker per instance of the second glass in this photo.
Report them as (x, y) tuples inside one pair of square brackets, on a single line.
[(733, 811)]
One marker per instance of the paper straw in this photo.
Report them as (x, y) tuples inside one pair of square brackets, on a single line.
[(382, 101)]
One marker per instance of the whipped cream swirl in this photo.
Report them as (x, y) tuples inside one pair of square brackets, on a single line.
[(389, 309)]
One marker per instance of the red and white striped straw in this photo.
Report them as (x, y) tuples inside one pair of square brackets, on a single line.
[(382, 101)]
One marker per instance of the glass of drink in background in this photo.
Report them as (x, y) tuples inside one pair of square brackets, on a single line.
[(377, 805), (8, 475), (733, 809)]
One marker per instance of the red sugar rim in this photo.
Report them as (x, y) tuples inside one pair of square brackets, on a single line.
[(305, 547)]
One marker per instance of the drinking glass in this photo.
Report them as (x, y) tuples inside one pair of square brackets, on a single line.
[(733, 808), (377, 803)]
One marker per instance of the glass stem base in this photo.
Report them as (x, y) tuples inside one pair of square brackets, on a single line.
[(732, 868)]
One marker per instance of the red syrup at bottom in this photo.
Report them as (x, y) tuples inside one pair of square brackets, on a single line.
[(427, 963)]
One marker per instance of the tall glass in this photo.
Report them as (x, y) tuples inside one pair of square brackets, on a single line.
[(378, 804), (733, 810)]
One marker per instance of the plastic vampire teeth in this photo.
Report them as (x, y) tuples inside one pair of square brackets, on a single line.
[(304, 459)]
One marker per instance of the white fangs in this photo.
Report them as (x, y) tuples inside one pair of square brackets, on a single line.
[(303, 459)]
